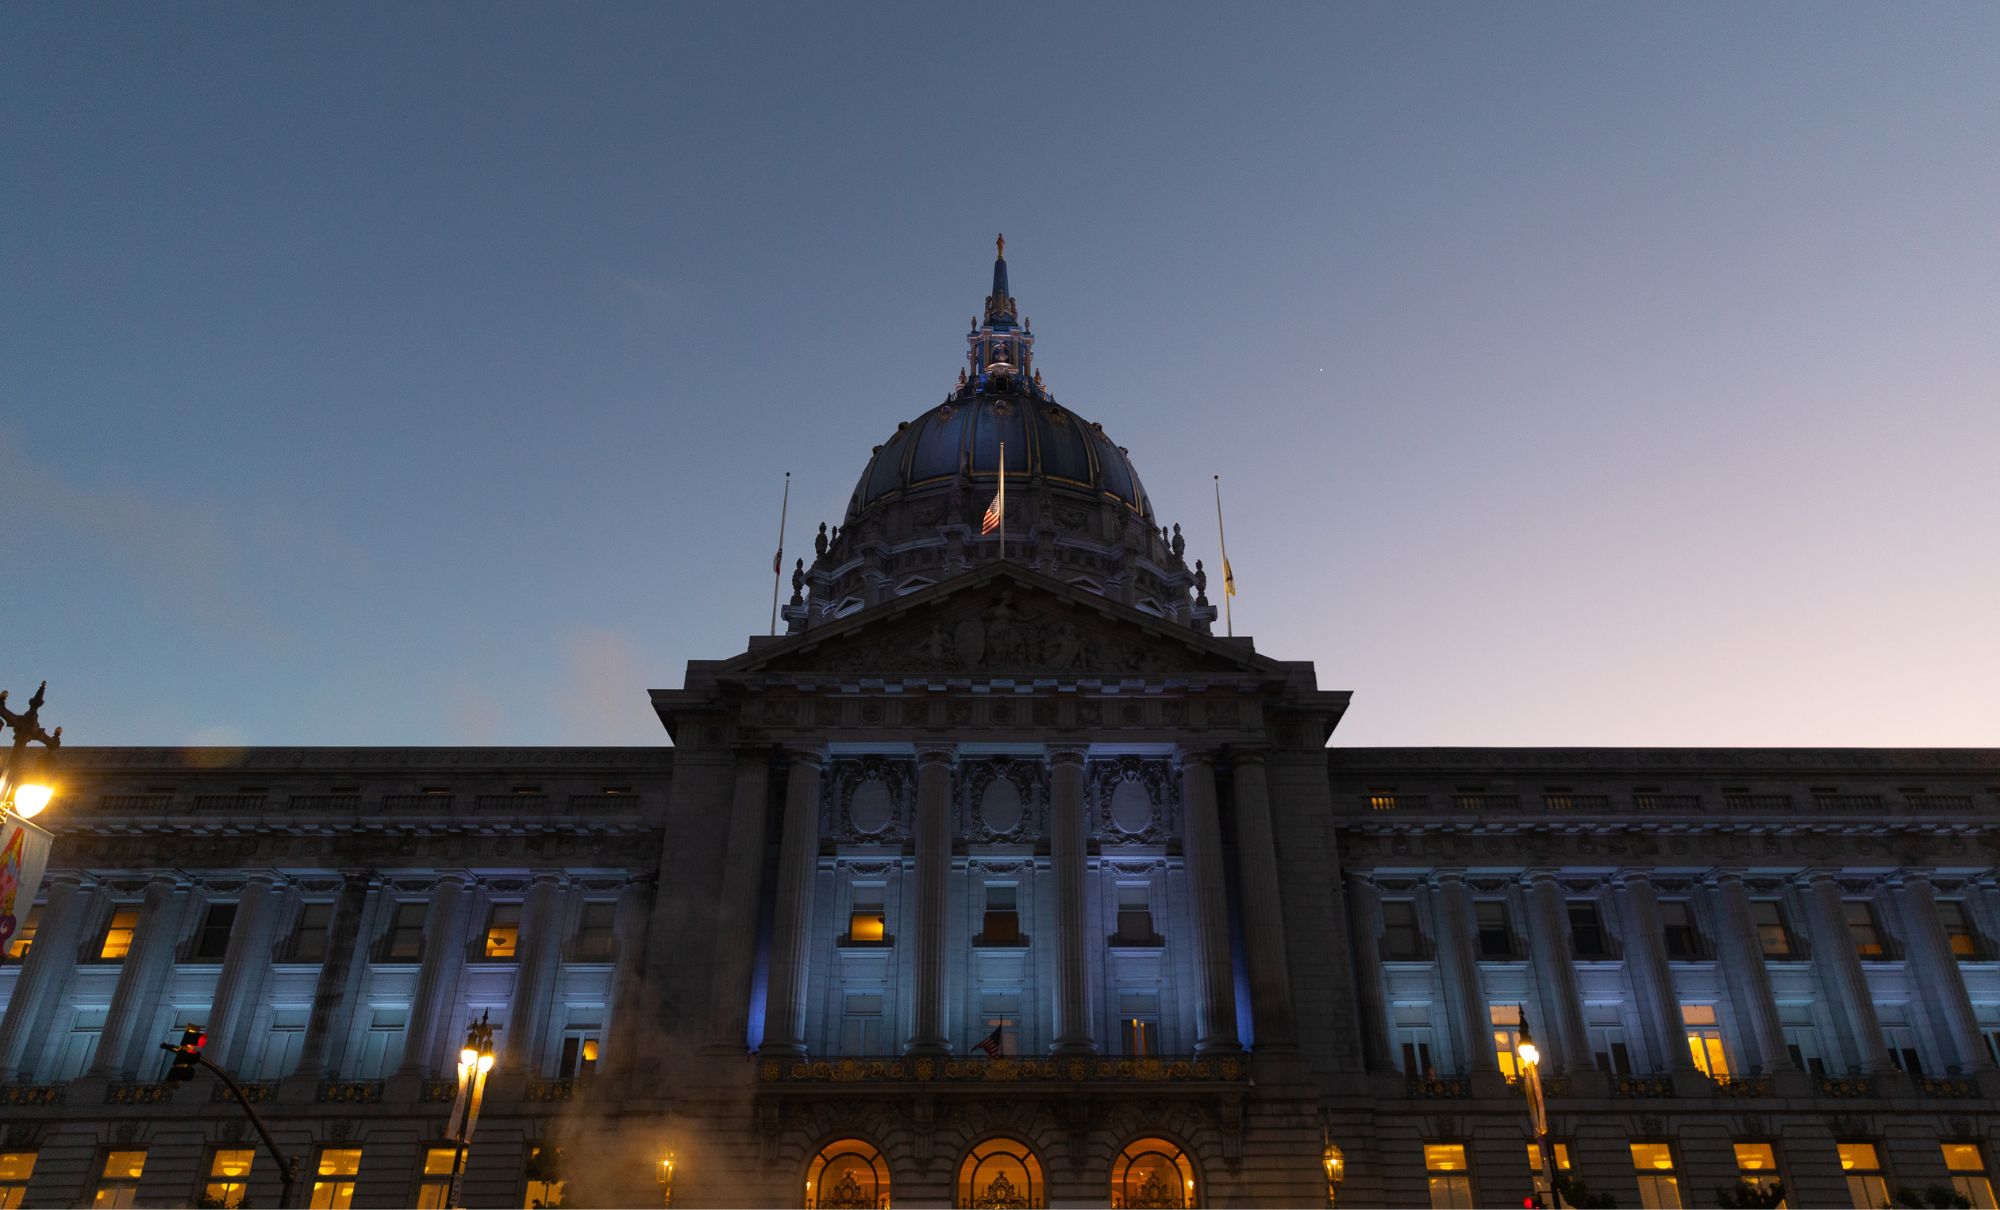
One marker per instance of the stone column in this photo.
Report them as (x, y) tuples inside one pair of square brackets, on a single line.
[(1937, 969), (1653, 978), (543, 916), (928, 1035), (145, 965), (1749, 979), (44, 972), (1364, 910), (1458, 968), (339, 978), (1839, 968), (736, 918), (1263, 906), (1069, 847), (241, 982), (791, 919), (432, 1010), (628, 980), (1555, 974), (1201, 843)]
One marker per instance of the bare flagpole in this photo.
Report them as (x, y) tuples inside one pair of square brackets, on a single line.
[(1003, 500), (778, 560), (1228, 575)]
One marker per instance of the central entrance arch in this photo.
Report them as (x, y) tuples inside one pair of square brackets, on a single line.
[(1152, 1174), (1000, 1174), (848, 1174)]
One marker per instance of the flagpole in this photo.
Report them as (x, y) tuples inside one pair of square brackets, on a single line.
[(778, 560), (1003, 499), (1228, 577)]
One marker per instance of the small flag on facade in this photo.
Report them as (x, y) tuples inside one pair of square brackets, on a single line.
[(991, 1044)]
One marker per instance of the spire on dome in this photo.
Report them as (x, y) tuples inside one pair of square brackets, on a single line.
[(1000, 310)]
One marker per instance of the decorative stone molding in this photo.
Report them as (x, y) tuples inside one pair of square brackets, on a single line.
[(1003, 800), (867, 800), (1133, 800)]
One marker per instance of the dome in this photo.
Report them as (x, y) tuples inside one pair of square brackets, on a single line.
[(1046, 443), (1074, 510)]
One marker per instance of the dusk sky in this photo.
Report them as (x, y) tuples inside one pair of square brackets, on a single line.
[(1592, 374)]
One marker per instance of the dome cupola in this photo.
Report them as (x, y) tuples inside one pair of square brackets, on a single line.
[(1075, 509)]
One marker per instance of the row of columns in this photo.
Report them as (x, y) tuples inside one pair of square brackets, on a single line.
[(1740, 950), (359, 911), (784, 1030)]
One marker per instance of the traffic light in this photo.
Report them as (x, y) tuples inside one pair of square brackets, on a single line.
[(1533, 1202), (186, 1055)]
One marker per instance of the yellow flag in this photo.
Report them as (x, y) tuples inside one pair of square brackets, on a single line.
[(1228, 578)]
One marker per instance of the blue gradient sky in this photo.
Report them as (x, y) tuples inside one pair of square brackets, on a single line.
[(1601, 374)]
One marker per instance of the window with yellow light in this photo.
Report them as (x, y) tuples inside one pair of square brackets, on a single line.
[(434, 1192), (866, 921), (118, 1185), (228, 1175), (15, 1169), (1448, 1175), (1968, 1173), (333, 1182), (503, 930), (1704, 1037), (118, 935), (1506, 1019), (1867, 1184), (1659, 1187), (1757, 1165), (24, 937)]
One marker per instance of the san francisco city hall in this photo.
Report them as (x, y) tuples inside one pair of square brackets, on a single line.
[(1026, 797)]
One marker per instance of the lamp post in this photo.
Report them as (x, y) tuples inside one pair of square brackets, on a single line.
[(666, 1179), (1530, 1067), (474, 1061), (1336, 1168), (24, 847)]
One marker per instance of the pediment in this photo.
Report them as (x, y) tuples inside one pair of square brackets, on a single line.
[(1004, 622)]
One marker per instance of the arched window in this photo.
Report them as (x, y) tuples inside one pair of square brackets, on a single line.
[(1152, 1174), (1001, 1174), (848, 1175)]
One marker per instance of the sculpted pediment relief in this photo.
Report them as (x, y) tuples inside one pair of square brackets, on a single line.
[(1002, 626)]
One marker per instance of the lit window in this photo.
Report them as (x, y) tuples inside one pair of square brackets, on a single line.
[(1561, 1151), (1862, 928), (847, 1173), (1653, 1165), (435, 1191), (1402, 939), (1450, 1180), (1867, 1185), (1002, 925), (866, 921), (579, 1057), (1135, 914), (309, 937), (1152, 1172), (545, 1180), (1586, 930), (1496, 937), (1139, 1023), (1506, 1020), (1704, 1037), (333, 1186), (228, 1176), (1958, 930), (503, 930), (17, 949), (15, 1169), (1757, 1166), (118, 938), (119, 1184), (405, 942), (1001, 1172), (211, 944), (1968, 1174), (596, 940), (1772, 932), (1678, 929)]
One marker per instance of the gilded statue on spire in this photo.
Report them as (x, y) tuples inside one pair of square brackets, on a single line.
[(1000, 246)]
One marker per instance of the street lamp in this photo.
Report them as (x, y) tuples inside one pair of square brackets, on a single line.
[(666, 1179), (1530, 1067), (474, 1062), (1336, 1169), (26, 800)]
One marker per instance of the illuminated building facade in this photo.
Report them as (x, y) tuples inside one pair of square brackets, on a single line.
[(1000, 879)]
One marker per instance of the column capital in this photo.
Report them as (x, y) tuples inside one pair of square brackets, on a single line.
[(1195, 756), (936, 752), (806, 754), (1065, 754), (1248, 754), (549, 878), (1536, 878)]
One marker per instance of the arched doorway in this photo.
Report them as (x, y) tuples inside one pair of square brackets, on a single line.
[(1001, 1174), (1152, 1174), (848, 1174)]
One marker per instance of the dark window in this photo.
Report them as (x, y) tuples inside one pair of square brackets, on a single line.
[(212, 942), (1586, 929), (1417, 1060), (1002, 925), (1677, 925), (1772, 932), (1862, 926), (405, 942), (1958, 930), (1496, 939), (309, 938), (1402, 940), (1135, 914), (595, 940)]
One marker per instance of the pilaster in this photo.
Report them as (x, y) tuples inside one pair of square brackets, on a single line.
[(798, 857), (935, 762), (1215, 1002), (1068, 855)]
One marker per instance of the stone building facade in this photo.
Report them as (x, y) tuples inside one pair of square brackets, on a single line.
[(1023, 798)]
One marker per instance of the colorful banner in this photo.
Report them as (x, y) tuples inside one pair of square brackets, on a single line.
[(24, 854)]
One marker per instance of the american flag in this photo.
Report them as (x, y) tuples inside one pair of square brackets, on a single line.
[(990, 1044), (992, 520)]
